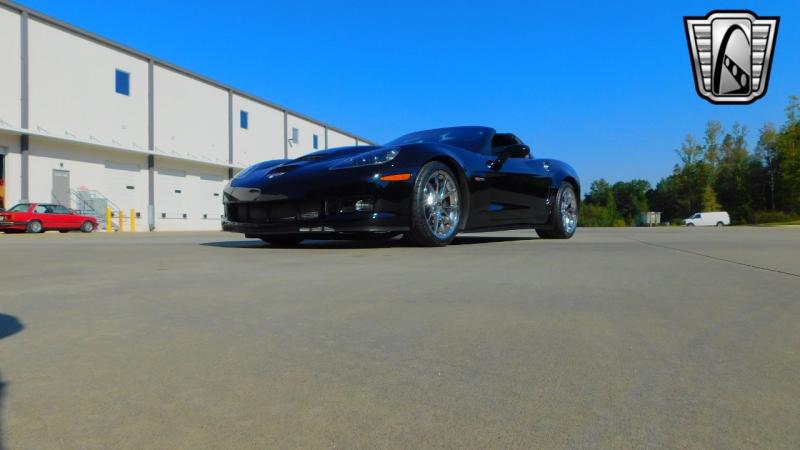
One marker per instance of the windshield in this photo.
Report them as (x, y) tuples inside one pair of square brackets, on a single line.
[(22, 207), (471, 138)]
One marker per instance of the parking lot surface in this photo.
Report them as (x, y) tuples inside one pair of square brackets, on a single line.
[(622, 338)]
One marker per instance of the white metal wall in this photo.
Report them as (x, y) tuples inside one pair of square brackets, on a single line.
[(72, 89), (191, 117), (336, 139), (263, 139), (10, 89), (305, 132)]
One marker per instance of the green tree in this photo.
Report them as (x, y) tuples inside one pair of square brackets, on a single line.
[(599, 208), (768, 154), (664, 198), (712, 147), (631, 199), (788, 176), (793, 110), (731, 185), (690, 151)]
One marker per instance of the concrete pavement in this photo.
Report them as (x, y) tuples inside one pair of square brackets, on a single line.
[(617, 338)]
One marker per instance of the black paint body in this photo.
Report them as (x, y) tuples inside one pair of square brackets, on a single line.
[(308, 197)]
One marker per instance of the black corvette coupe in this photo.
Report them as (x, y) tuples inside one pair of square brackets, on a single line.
[(427, 185)]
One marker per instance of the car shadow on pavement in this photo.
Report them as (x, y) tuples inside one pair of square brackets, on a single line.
[(9, 325), (347, 244)]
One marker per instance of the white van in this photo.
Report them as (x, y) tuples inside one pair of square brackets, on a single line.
[(708, 219)]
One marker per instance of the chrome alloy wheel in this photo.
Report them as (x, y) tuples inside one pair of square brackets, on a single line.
[(569, 209), (441, 204)]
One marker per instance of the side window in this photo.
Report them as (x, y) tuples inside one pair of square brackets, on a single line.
[(40, 209), (244, 120), (316, 142), (22, 207), (502, 140), (58, 209)]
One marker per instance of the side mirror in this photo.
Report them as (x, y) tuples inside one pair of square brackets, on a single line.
[(513, 151)]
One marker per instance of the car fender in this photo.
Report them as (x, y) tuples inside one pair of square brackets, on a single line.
[(457, 159), (561, 172)]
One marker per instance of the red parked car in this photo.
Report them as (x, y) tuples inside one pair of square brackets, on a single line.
[(40, 217)]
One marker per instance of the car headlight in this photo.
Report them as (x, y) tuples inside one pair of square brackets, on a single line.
[(372, 158)]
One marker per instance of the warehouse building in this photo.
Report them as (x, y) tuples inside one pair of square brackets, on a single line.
[(91, 124)]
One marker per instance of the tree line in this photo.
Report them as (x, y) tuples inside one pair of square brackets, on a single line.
[(718, 173)]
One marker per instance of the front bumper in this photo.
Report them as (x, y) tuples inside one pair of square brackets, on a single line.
[(344, 224), (8, 225), (324, 208)]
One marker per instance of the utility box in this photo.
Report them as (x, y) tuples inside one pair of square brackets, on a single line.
[(650, 219)]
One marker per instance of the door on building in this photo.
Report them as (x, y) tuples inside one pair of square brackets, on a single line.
[(61, 187)]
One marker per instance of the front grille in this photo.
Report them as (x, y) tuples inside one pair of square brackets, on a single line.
[(273, 212)]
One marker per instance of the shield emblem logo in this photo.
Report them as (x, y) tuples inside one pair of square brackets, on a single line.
[(731, 54)]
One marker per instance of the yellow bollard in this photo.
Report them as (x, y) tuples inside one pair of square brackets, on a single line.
[(108, 220), (133, 221), (121, 221)]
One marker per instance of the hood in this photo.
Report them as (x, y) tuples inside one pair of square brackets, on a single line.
[(322, 159), (329, 155)]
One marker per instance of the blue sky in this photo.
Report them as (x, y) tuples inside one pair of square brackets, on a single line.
[(607, 88)]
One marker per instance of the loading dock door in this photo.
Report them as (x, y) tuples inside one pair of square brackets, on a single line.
[(119, 184), (170, 186), (61, 194), (211, 190)]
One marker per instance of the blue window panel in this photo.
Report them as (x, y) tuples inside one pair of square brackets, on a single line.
[(316, 142), (243, 119), (123, 82)]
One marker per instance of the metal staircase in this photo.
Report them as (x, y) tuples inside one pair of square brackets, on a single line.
[(94, 203)]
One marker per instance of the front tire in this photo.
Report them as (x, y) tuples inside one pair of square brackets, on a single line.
[(34, 226), (87, 227), (564, 217), (436, 206), (282, 241), (720, 224)]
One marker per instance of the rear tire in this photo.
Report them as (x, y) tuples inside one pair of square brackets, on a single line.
[(720, 224), (564, 217), (689, 224), (435, 206), (282, 241), (87, 227), (34, 226)]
